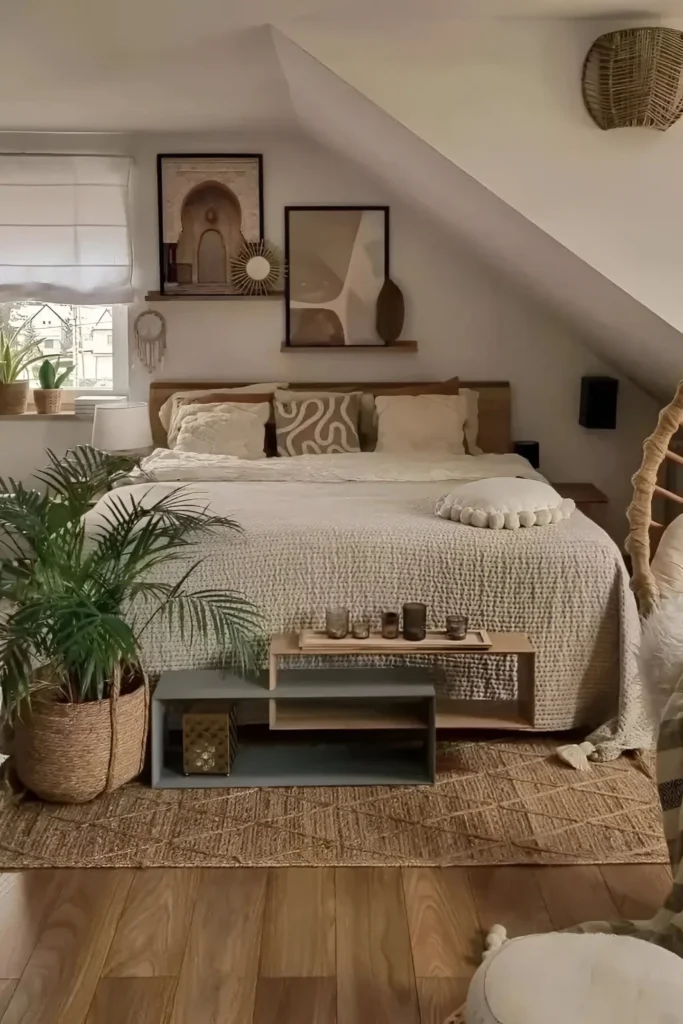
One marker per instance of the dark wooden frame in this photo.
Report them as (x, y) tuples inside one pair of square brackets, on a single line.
[(347, 206), (160, 206)]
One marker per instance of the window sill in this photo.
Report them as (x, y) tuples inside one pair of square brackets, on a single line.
[(32, 415)]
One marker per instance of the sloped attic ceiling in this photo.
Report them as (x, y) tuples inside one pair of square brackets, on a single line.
[(614, 324), (500, 100)]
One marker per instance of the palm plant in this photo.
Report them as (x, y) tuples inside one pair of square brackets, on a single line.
[(82, 603)]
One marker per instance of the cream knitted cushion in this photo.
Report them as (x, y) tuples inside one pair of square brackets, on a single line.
[(225, 429), (504, 503), (563, 978)]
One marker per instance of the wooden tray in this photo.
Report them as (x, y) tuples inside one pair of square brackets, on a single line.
[(436, 640)]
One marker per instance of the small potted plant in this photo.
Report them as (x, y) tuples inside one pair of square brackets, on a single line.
[(48, 397), (14, 361), (75, 696)]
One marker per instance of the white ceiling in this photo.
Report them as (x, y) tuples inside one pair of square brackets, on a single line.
[(146, 65)]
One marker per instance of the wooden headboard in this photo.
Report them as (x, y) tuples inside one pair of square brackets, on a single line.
[(495, 427)]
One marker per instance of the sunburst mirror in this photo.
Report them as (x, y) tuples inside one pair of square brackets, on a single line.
[(257, 268)]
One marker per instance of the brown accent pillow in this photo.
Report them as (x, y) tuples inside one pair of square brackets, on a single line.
[(318, 426), (439, 387), (248, 397)]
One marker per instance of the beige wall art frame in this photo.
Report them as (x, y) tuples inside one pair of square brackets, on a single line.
[(337, 260), (209, 206)]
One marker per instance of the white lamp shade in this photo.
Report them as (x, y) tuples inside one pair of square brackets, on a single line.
[(122, 428)]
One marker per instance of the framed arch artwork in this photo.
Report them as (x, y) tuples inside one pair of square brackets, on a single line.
[(209, 205)]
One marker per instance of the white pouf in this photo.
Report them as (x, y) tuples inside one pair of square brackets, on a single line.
[(577, 979)]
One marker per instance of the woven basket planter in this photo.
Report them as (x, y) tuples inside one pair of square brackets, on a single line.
[(47, 400), (13, 398), (633, 78), (71, 753)]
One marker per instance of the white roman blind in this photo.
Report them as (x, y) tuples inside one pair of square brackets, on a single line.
[(64, 233)]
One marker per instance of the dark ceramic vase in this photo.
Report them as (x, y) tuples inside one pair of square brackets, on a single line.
[(390, 312)]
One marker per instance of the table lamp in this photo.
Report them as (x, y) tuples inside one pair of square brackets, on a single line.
[(122, 428)]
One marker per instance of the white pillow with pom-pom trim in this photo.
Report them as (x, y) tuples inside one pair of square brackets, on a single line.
[(504, 503)]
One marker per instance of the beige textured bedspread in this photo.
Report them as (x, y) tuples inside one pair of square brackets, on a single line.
[(371, 545)]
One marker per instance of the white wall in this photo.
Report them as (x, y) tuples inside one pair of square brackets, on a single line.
[(467, 319), (502, 100), (23, 443)]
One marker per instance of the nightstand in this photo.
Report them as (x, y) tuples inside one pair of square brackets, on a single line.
[(589, 499)]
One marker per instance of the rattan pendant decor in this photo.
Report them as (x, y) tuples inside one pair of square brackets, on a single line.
[(633, 78)]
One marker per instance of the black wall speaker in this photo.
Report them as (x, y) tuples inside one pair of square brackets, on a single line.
[(598, 408), (529, 450)]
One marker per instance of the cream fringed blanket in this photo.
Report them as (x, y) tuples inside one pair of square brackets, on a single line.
[(360, 530)]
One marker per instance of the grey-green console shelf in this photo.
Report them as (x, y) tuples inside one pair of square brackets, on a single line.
[(390, 738)]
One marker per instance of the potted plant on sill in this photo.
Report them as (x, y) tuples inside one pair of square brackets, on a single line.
[(48, 397), (14, 361), (74, 691)]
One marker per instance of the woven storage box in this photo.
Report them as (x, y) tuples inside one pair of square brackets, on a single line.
[(633, 78), (209, 738)]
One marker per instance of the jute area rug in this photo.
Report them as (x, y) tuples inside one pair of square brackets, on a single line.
[(500, 802)]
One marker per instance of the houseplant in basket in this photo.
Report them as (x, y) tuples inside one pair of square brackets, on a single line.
[(14, 360), (48, 397), (73, 687)]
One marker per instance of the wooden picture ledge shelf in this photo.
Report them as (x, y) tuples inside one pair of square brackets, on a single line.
[(395, 346), (160, 297)]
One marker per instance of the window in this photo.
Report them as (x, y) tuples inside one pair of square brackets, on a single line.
[(82, 335)]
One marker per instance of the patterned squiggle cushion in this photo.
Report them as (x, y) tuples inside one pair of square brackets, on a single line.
[(318, 425), (504, 503)]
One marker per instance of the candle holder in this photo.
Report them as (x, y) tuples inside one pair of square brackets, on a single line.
[(414, 620), (361, 629), (337, 623), (390, 625), (456, 627)]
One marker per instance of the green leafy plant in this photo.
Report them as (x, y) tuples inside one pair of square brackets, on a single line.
[(81, 602), (15, 358), (49, 376)]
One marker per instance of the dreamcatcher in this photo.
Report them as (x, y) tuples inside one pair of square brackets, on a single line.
[(150, 338)]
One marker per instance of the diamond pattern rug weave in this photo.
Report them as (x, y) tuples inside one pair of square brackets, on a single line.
[(498, 802)]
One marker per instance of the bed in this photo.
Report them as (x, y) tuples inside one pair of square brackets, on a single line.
[(359, 530)]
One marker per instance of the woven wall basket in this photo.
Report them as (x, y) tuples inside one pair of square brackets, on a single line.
[(71, 753), (633, 78)]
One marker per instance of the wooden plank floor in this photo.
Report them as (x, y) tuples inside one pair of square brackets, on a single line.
[(267, 946)]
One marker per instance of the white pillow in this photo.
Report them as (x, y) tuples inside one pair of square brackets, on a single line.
[(229, 429), (504, 503), (667, 564), (420, 423), (167, 410)]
